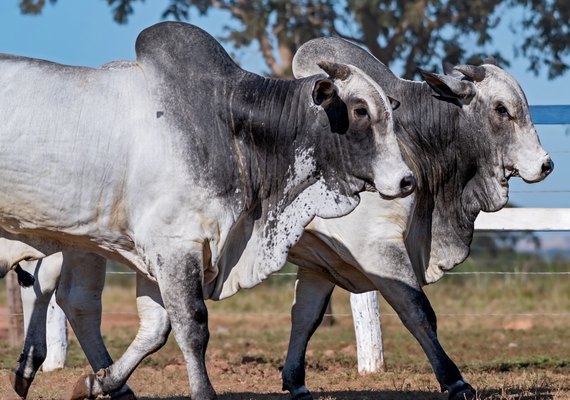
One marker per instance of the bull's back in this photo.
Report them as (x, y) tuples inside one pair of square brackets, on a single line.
[(65, 136)]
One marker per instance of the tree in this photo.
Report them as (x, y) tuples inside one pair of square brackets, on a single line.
[(408, 33)]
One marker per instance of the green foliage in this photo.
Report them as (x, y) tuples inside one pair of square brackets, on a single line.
[(549, 21), (33, 6), (408, 32)]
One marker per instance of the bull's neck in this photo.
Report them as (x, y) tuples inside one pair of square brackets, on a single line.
[(430, 132), (268, 118), (427, 130)]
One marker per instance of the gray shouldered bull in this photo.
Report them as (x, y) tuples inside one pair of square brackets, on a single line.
[(195, 173), (464, 134)]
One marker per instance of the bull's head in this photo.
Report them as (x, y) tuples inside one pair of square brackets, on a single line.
[(359, 110), (495, 119)]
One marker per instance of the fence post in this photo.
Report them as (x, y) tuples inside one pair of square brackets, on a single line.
[(56, 337), (15, 311), (369, 348)]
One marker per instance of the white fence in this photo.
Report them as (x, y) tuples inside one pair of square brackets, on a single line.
[(365, 308)]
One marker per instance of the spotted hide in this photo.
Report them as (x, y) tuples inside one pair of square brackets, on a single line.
[(195, 173), (464, 134)]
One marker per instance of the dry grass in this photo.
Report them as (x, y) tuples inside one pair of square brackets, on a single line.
[(520, 357)]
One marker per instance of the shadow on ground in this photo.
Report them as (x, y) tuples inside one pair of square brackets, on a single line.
[(495, 394)]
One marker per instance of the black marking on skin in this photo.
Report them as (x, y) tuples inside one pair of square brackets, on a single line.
[(241, 129), (159, 114), (337, 113)]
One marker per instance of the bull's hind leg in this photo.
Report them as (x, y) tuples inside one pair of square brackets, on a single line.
[(79, 295), (35, 301), (312, 294), (153, 332)]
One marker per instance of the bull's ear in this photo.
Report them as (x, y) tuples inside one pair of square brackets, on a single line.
[(324, 92), (450, 86), (393, 103)]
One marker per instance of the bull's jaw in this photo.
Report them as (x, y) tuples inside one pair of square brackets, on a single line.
[(487, 191)]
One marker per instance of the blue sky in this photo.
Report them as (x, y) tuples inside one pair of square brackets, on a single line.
[(82, 32)]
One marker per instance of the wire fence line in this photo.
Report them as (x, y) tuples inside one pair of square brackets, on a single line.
[(526, 191), (567, 273), (347, 315)]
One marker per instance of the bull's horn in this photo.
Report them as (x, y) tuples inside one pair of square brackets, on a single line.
[(448, 69), (477, 74), (335, 70)]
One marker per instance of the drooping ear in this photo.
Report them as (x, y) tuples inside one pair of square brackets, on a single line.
[(324, 92), (450, 87), (335, 70), (393, 103)]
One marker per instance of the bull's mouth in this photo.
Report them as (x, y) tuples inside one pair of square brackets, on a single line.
[(510, 172), (407, 186), (369, 187)]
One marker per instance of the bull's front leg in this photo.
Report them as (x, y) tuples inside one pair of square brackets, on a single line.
[(401, 289), (153, 332), (180, 281), (312, 294)]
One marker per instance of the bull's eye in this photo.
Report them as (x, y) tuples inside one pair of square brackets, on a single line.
[(361, 112), (502, 111)]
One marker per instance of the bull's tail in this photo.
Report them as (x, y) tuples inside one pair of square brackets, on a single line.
[(25, 279)]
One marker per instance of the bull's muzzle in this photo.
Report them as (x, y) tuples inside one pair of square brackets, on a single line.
[(547, 167)]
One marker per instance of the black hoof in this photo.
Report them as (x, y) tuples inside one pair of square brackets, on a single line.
[(305, 396), (462, 392), (301, 393), (126, 394)]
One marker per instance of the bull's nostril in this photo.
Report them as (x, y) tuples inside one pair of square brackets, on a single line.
[(547, 167), (408, 184)]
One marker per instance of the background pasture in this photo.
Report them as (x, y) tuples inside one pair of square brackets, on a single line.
[(508, 334)]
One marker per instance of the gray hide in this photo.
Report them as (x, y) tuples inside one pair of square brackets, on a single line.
[(366, 250), (190, 170), (464, 135)]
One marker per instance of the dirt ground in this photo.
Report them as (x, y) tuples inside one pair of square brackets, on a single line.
[(255, 381), (505, 359), (250, 371)]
